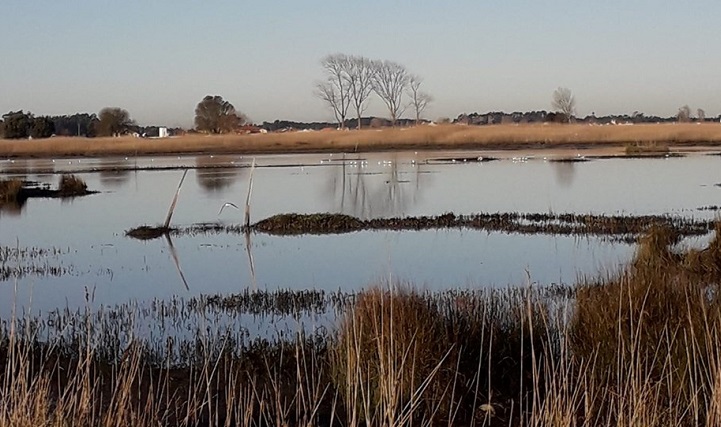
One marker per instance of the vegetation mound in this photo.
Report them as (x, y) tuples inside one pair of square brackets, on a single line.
[(146, 232), (322, 223)]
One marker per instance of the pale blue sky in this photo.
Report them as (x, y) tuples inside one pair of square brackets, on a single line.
[(157, 59)]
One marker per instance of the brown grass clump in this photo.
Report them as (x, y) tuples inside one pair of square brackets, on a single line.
[(653, 334), (404, 356), (391, 346), (9, 190), (647, 148), (71, 185)]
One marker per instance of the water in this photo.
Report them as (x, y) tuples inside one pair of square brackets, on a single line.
[(98, 258)]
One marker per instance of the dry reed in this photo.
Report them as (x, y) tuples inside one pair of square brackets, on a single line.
[(498, 137)]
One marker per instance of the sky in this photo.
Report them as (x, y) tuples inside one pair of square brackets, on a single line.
[(158, 59)]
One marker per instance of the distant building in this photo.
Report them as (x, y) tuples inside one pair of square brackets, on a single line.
[(162, 132)]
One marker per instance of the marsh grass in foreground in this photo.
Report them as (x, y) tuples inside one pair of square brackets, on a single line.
[(637, 349)]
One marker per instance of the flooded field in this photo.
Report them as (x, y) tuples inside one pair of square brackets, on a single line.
[(65, 246)]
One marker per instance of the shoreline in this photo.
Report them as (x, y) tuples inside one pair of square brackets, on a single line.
[(551, 139)]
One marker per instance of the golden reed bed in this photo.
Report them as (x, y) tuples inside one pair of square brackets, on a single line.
[(446, 137)]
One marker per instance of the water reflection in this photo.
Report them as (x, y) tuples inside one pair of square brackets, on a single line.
[(176, 261), (113, 172), (29, 168), (217, 173), (564, 172), (372, 189), (14, 208)]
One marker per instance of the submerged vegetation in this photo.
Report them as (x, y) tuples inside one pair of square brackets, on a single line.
[(637, 349)]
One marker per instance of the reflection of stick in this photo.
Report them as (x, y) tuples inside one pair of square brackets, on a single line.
[(174, 255), (175, 200), (247, 199), (250, 259)]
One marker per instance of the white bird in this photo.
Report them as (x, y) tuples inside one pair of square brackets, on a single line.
[(227, 204)]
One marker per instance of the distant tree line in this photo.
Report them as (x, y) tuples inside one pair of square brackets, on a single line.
[(500, 117), (366, 122), (109, 122)]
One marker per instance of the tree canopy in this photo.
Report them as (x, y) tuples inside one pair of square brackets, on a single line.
[(20, 125), (215, 115), (113, 121)]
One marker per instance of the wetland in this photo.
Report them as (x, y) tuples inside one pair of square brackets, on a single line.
[(377, 288)]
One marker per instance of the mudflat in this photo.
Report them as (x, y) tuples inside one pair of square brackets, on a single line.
[(591, 139)]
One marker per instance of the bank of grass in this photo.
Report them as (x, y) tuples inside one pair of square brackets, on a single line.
[(647, 148), (637, 349), (453, 137)]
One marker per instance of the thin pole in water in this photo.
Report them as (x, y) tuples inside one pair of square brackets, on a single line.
[(247, 199), (175, 200)]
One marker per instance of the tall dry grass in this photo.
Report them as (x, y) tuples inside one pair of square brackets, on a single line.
[(9, 190), (496, 137)]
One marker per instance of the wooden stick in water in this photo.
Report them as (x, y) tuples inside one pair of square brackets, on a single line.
[(175, 200), (247, 199)]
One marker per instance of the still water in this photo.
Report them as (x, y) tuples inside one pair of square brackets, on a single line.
[(90, 252)]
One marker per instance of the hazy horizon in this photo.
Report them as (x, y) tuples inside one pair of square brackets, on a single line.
[(158, 60)]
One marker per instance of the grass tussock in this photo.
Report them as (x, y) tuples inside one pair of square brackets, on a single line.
[(71, 185), (10, 190), (637, 349)]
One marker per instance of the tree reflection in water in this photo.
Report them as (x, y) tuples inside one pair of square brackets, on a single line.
[(565, 173), (374, 189), (217, 173), (115, 172)]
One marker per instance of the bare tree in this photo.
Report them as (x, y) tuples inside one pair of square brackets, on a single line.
[(335, 90), (564, 102), (419, 99), (684, 114), (701, 115), (359, 76), (390, 80)]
